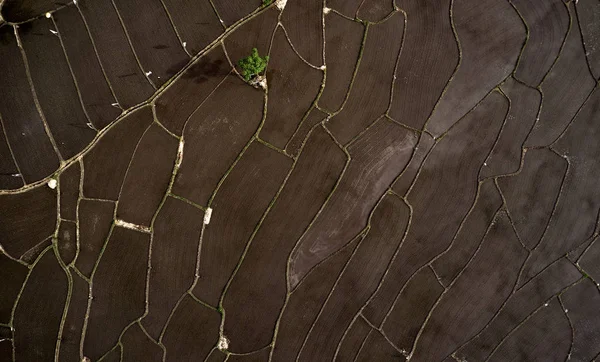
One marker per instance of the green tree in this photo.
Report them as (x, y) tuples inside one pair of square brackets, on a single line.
[(253, 64)]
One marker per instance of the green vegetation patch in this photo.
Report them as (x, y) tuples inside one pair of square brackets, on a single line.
[(253, 64)]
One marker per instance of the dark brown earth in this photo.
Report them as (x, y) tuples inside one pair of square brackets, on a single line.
[(417, 181)]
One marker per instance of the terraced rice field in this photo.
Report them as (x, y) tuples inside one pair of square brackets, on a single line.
[(413, 180)]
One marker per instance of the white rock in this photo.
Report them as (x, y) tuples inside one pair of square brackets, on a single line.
[(179, 154), (48, 15), (52, 183), (280, 4), (263, 83), (223, 343), (132, 226), (260, 81), (207, 216)]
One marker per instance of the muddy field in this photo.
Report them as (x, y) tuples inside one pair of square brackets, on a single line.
[(411, 180)]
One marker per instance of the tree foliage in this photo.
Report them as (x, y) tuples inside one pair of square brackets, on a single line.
[(253, 64)]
